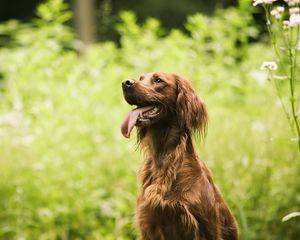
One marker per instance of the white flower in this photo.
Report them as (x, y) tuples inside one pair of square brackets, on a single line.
[(257, 2), (286, 24), (292, 2), (280, 9), (294, 20), (294, 10), (269, 66), (276, 14)]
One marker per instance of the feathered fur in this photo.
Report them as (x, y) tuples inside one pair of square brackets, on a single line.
[(178, 198)]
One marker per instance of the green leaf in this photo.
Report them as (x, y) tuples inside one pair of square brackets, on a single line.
[(289, 216)]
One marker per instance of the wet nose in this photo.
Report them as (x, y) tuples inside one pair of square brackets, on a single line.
[(127, 83)]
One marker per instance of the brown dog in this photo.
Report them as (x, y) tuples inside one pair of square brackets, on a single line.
[(178, 199)]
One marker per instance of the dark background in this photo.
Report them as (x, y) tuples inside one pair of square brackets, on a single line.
[(171, 13)]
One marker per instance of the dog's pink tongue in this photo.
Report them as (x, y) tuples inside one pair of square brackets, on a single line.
[(131, 119)]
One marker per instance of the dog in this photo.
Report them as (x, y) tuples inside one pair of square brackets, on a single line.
[(178, 198)]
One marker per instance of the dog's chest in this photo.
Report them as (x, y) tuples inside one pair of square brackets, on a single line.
[(166, 222)]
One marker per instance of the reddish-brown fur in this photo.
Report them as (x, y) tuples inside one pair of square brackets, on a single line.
[(178, 198)]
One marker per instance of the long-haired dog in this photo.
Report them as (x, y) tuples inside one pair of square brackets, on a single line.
[(178, 198)]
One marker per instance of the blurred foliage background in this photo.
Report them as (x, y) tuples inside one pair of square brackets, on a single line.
[(67, 172)]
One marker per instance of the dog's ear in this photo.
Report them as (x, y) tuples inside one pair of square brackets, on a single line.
[(191, 110)]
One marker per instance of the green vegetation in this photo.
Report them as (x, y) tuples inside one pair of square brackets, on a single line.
[(66, 170)]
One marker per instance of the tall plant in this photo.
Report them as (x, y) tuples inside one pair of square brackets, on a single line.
[(283, 23)]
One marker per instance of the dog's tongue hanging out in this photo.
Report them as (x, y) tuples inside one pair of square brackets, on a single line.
[(131, 120)]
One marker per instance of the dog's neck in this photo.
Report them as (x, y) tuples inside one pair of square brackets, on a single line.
[(163, 140)]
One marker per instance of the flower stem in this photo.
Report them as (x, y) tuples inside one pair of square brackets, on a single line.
[(293, 61), (280, 61), (292, 56)]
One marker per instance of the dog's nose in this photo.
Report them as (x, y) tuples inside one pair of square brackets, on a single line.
[(127, 83)]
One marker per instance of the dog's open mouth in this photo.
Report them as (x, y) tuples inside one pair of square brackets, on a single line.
[(140, 116)]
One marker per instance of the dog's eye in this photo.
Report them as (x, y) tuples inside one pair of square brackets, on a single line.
[(158, 80)]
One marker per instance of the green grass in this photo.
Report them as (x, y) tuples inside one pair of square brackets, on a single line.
[(66, 170)]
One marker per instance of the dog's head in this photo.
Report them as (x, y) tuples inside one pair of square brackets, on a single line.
[(163, 97)]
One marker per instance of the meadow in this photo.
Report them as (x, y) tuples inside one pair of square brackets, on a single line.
[(66, 170)]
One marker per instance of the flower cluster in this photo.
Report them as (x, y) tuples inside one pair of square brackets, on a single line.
[(277, 12), (286, 24), (269, 66), (292, 2), (294, 10), (294, 20)]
